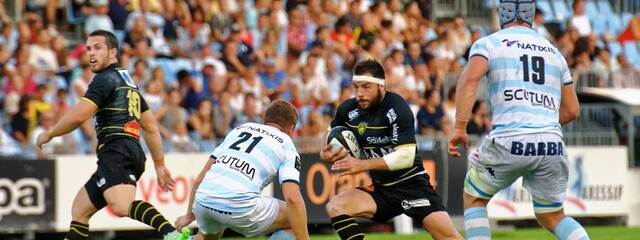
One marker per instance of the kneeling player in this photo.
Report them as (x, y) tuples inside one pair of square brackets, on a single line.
[(226, 193)]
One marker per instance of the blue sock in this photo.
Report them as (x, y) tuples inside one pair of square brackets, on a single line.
[(476, 223), (282, 235), (569, 229)]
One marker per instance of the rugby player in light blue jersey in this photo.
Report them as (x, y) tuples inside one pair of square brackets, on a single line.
[(227, 192), (531, 94)]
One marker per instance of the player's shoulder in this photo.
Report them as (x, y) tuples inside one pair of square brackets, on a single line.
[(280, 137), (393, 105), (106, 76), (347, 106), (392, 100), (349, 103)]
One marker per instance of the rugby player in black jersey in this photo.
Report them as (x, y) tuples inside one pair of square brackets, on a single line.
[(120, 111), (384, 128)]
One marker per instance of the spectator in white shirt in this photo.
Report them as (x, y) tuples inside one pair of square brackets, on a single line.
[(98, 20), (580, 21), (42, 57)]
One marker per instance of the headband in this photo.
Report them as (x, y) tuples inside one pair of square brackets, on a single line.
[(364, 78)]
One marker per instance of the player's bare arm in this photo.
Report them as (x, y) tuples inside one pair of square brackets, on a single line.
[(153, 140), (188, 217), (296, 209), (70, 121), (569, 105), (465, 96)]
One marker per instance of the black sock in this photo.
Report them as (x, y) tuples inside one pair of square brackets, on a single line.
[(347, 228), (77, 231), (145, 213)]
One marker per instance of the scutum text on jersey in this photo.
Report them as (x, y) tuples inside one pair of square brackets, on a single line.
[(239, 165)]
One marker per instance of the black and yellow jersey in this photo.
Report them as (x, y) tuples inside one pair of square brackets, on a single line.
[(119, 104), (380, 131)]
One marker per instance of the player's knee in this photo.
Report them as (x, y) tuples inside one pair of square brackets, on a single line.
[(80, 215), (336, 207), (551, 219), (473, 201), (120, 209)]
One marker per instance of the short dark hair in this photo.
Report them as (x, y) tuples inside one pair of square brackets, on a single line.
[(182, 74), (282, 113), (369, 66), (429, 93), (109, 37)]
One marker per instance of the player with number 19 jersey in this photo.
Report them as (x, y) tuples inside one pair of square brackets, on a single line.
[(246, 161), (526, 74)]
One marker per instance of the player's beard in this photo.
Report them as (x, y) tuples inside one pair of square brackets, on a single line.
[(374, 102), (101, 65)]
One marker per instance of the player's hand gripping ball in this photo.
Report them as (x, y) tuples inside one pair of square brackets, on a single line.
[(341, 136)]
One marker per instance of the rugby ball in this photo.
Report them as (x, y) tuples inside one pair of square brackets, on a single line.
[(342, 136)]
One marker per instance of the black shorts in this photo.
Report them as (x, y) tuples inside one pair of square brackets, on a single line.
[(414, 197), (120, 161)]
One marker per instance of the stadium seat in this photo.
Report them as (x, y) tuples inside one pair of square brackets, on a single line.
[(631, 51), (626, 17), (591, 10), (604, 7), (615, 24), (562, 11), (599, 27), (549, 14), (614, 48)]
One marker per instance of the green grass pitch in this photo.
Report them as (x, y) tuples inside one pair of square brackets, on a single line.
[(609, 232)]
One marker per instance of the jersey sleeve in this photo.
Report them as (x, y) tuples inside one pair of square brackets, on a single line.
[(402, 123), (289, 170), (566, 73), (340, 119), (480, 48), (143, 104), (218, 151), (98, 91)]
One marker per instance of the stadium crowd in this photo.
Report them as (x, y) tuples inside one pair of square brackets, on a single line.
[(206, 66)]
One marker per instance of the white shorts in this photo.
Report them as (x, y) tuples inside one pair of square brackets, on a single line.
[(540, 159), (249, 224)]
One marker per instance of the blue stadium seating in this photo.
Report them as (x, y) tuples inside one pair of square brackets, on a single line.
[(631, 51), (598, 27), (545, 6), (591, 10), (626, 17), (614, 48), (563, 12), (615, 24), (604, 7)]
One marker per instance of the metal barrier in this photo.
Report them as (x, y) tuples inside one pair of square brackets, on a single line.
[(619, 79), (625, 6)]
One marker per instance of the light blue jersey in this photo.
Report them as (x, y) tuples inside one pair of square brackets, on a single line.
[(526, 74), (246, 161)]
